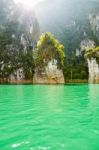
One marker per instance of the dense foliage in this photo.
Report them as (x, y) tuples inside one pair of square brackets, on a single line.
[(49, 49), (92, 53)]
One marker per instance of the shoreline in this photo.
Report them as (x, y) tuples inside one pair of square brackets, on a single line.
[(19, 82)]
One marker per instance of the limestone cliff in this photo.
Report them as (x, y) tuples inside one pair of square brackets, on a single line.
[(93, 67), (92, 56), (28, 36), (50, 75), (93, 70), (94, 22)]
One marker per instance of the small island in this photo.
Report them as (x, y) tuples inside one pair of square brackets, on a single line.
[(49, 61)]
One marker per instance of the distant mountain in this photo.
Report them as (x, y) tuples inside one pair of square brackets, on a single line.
[(66, 19)]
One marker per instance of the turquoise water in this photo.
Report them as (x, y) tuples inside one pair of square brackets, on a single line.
[(49, 117)]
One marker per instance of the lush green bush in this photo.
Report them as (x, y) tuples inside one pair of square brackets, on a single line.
[(92, 53), (48, 49)]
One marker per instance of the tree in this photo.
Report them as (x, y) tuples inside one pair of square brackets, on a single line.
[(92, 53), (49, 49)]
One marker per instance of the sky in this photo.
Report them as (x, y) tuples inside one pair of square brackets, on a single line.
[(33, 3), (29, 3)]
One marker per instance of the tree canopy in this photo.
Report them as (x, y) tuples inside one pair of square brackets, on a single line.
[(49, 49), (92, 53)]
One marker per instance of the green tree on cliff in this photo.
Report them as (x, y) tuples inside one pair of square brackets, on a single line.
[(92, 53), (49, 49)]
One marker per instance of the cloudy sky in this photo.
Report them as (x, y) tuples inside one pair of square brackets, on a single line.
[(29, 3)]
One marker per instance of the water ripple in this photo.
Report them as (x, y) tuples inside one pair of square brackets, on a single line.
[(49, 117)]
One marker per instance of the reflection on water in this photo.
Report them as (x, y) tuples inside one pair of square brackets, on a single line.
[(94, 93), (49, 117)]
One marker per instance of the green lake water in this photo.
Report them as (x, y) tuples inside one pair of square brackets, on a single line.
[(49, 117)]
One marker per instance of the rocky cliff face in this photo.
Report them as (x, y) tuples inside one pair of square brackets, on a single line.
[(93, 67), (94, 22), (27, 38), (17, 75), (50, 75), (93, 70)]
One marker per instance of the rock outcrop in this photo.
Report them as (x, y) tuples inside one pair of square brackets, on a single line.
[(86, 44), (93, 70), (92, 56), (50, 75), (94, 22), (93, 66), (17, 75)]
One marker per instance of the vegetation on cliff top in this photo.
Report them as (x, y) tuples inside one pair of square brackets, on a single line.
[(49, 49), (92, 53)]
